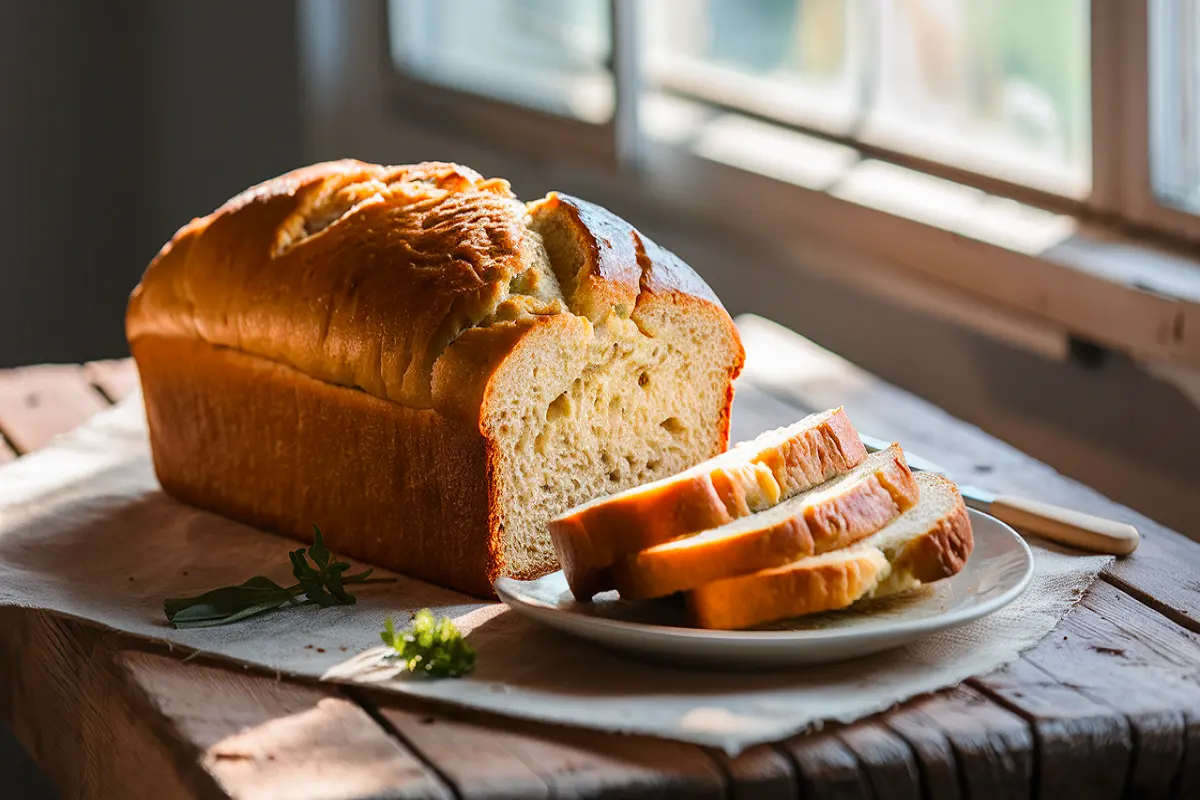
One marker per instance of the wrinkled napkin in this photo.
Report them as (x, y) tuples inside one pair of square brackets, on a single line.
[(85, 531)]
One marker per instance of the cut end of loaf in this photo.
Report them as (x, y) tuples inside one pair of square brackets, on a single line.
[(641, 393), (620, 421)]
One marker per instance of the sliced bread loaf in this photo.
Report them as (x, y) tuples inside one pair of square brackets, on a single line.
[(930, 541), (750, 477), (460, 365), (834, 515)]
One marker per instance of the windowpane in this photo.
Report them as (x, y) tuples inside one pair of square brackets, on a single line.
[(547, 54), (1175, 102), (998, 86), (790, 59)]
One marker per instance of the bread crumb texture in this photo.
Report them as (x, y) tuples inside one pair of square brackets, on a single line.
[(589, 358)]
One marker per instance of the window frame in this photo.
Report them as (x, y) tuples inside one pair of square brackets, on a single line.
[(523, 129), (1140, 204), (1142, 307)]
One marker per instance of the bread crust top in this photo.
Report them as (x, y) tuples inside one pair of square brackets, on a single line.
[(364, 275)]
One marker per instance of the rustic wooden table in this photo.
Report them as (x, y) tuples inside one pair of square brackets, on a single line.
[(1106, 706)]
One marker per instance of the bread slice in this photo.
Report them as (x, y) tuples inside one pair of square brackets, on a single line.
[(930, 541), (817, 583), (834, 515), (750, 477)]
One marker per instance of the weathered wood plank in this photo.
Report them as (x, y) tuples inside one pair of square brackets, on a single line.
[(1157, 730), (106, 722), (488, 756), (1083, 749), (64, 703), (473, 759), (115, 378), (1177, 646), (827, 768), (260, 737), (932, 751), (38, 403), (800, 376), (963, 738), (760, 773), (578, 762), (885, 759)]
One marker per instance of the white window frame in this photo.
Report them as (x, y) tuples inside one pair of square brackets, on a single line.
[(1129, 279)]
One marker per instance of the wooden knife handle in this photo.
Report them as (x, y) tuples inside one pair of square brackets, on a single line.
[(1065, 526)]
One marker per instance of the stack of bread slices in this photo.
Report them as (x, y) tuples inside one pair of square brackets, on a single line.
[(801, 519)]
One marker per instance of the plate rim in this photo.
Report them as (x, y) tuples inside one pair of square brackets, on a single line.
[(914, 627)]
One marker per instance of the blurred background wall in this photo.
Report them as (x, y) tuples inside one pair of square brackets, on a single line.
[(121, 120)]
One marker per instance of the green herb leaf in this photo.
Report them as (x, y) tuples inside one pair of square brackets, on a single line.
[(230, 604), (318, 552), (430, 646), (323, 585)]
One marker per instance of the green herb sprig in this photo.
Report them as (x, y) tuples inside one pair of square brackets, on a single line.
[(430, 646), (321, 583)]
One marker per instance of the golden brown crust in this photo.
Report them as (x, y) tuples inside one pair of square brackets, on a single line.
[(591, 538), (608, 277), (940, 553), (367, 298), (785, 592), (394, 486), (829, 523)]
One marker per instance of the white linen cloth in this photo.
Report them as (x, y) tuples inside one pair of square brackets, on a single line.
[(86, 532)]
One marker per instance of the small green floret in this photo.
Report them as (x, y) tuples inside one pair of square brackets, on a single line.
[(430, 646)]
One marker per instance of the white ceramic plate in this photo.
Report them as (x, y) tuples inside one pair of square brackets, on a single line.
[(997, 573)]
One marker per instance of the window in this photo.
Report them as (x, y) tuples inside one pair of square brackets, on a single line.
[(1175, 102), (550, 55), (785, 59), (1088, 107), (996, 86)]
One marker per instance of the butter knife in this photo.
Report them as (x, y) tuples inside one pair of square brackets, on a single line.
[(1058, 524)]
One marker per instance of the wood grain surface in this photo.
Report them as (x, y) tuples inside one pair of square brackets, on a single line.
[(1108, 704), (38, 403), (116, 379)]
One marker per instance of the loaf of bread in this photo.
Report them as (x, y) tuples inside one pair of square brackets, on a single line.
[(751, 477), (834, 515), (423, 366), (929, 542)]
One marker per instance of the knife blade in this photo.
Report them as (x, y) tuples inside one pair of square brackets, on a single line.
[(1058, 524)]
